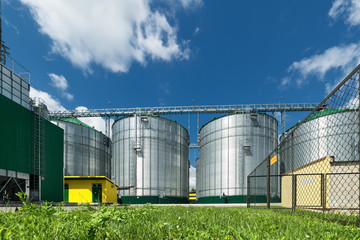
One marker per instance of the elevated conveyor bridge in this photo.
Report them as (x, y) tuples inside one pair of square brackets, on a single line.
[(204, 109), (240, 108)]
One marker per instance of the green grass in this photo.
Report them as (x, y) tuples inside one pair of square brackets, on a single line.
[(159, 222)]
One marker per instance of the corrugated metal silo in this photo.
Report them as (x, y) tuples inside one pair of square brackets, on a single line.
[(230, 147), (87, 152), (150, 160), (327, 133)]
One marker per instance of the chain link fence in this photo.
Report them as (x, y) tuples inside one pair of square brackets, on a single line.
[(316, 164)]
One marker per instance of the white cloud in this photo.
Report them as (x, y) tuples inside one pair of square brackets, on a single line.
[(353, 103), (96, 122), (68, 96), (192, 177), (11, 25), (343, 58), (334, 57), (349, 9), (284, 82), (191, 3), (108, 33), (196, 31), (52, 103), (60, 82)]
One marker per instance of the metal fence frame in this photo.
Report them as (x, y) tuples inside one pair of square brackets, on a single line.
[(263, 170)]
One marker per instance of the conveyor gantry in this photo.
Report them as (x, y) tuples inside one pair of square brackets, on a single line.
[(240, 108)]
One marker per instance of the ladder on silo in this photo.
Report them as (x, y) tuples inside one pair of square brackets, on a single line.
[(135, 150), (39, 152), (132, 160)]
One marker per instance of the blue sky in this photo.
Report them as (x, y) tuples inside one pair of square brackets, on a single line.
[(188, 52)]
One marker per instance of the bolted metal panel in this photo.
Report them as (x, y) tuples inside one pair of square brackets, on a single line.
[(87, 152), (334, 134), (150, 157), (229, 149)]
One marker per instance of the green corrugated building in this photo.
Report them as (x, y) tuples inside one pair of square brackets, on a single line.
[(31, 154)]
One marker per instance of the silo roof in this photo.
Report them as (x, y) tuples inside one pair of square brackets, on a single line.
[(76, 121), (323, 113), (235, 113)]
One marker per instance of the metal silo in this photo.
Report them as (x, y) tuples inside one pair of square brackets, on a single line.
[(326, 133), (230, 147), (150, 160), (87, 152)]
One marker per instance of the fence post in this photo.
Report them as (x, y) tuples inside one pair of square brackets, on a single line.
[(248, 192), (358, 85), (293, 194), (268, 182), (323, 192)]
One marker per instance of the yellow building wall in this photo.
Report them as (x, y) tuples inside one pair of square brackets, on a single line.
[(308, 187), (109, 193), (80, 190), (344, 192)]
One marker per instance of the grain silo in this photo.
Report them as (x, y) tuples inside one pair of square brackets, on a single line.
[(87, 152), (230, 147), (326, 133), (150, 160)]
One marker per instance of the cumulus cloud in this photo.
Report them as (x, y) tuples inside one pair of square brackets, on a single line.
[(60, 82), (348, 9), (192, 177), (96, 122), (341, 58), (334, 57), (52, 103), (109, 33)]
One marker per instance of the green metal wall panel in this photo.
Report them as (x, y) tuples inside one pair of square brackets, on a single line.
[(52, 185), (17, 144), (16, 137)]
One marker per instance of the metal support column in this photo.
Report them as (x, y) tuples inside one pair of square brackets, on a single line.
[(293, 177), (283, 128), (323, 192), (293, 193), (107, 126), (358, 102), (268, 182), (248, 192)]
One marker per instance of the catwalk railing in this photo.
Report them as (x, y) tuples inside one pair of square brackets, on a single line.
[(316, 164), (243, 108)]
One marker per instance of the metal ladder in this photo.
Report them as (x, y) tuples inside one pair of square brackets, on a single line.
[(39, 150)]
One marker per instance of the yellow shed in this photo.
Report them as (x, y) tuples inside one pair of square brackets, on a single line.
[(323, 183), (87, 189)]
